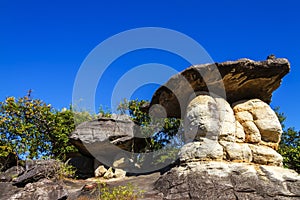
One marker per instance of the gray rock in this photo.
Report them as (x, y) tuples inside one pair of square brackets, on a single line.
[(41, 169), (42, 190), (220, 180), (7, 190), (241, 79), (11, 173), (103, 138), (205, 149)]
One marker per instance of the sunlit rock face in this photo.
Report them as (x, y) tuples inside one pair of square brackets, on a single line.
[(231, 140), (248, 132), (232, 80)]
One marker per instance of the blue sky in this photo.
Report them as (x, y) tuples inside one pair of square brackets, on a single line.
[(43, 43)]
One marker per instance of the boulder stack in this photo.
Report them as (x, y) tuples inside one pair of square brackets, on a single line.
[(231, 133)]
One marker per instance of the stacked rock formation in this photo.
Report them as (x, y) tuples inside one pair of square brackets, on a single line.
[(248, 132), (231, 135)]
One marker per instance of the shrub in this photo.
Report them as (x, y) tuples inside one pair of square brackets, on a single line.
[(32, 129)]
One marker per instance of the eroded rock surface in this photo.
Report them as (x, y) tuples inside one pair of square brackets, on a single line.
[(233, 80), (104, 138), (36, 170), (248, 132), (220, 180), (44, 189), (259, 121)]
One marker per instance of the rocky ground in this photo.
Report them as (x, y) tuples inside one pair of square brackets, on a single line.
[(39, 182)]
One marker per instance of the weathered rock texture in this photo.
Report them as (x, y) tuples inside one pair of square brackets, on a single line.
[(44, 189), (249, 132), (104, 138), (220, 180), (36, 170), (237, 80), (98, 136), (230, 139), (259, 121), (117, 130)]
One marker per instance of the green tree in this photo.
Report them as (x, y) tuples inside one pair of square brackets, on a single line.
[(289, 146), (164, 136), (30, 128)]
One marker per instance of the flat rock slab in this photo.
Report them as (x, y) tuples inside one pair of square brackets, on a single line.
[(233, 80), (104, 136), (221, 180)]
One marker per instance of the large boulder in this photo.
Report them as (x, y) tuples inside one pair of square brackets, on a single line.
[(221, 180), (232, 80), (212, 117), (205, 149), (259, 121), (202, 119), (105, 137), (265, 155), (237, 151)]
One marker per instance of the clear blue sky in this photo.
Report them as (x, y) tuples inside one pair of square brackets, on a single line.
[(43, 43)]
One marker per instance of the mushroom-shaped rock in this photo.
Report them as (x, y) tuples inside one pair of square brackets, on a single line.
[(232, 80)]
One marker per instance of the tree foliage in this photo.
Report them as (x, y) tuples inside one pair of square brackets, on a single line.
[(30, 128), (160, 130), (289, 146), (164, 136)]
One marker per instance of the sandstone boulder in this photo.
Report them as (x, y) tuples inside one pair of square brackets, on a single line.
[(202, 119), (259, 121), (119, 173), (239, 132), (205, 149), (265, 155), (233, 80), (237, 151), (109, 174)]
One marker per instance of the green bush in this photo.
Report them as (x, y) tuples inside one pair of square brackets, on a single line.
[(127, 192), (164, 136), (289, 146), (64, 170), (30, 128)]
